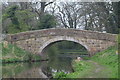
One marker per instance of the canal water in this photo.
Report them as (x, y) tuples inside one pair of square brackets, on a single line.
[(43, 69)]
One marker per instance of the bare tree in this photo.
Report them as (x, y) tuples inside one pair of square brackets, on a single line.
[(69, 14), (39, 7), (96, 16)]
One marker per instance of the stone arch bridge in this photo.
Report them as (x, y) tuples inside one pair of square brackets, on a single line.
[(36, 41)]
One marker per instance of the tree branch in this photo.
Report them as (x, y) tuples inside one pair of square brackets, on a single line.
[(48, 3)]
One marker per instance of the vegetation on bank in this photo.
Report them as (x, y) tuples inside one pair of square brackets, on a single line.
[(109, 59), (106, 62), (12, 53), (80, 68), (118, 39)]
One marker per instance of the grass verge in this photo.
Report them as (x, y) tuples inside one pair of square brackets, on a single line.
[(12, 53), (102, 65)]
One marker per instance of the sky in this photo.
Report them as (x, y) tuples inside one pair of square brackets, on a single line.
[(59, 0)]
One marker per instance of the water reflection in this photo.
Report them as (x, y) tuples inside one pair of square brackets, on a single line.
[(59, 60), (42, 69)]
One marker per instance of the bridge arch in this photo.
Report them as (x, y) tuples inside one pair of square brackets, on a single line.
[(62, 38), (36, 41)]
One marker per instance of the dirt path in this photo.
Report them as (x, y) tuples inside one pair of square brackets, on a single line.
[(98, 71)]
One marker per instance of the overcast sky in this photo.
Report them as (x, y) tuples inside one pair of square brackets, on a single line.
[(59, 0)]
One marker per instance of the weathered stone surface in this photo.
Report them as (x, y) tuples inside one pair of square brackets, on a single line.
[(36, 41)]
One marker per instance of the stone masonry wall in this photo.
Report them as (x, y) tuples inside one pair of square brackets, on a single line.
[(36, 41)]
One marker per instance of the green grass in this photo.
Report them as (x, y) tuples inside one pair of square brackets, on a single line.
[(106, 60), (118, 39), (80, 69), (13, 53), (109, 59)]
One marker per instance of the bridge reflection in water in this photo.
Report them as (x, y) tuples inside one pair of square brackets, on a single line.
[(44, 69), (59, 61)]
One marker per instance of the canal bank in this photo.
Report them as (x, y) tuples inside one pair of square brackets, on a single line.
[(103, 65), (12, 54)]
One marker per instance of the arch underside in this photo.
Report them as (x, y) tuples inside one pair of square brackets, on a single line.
[(61, 38)]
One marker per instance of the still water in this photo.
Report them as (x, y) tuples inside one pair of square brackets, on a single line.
[(43, 69), (57, 62)]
